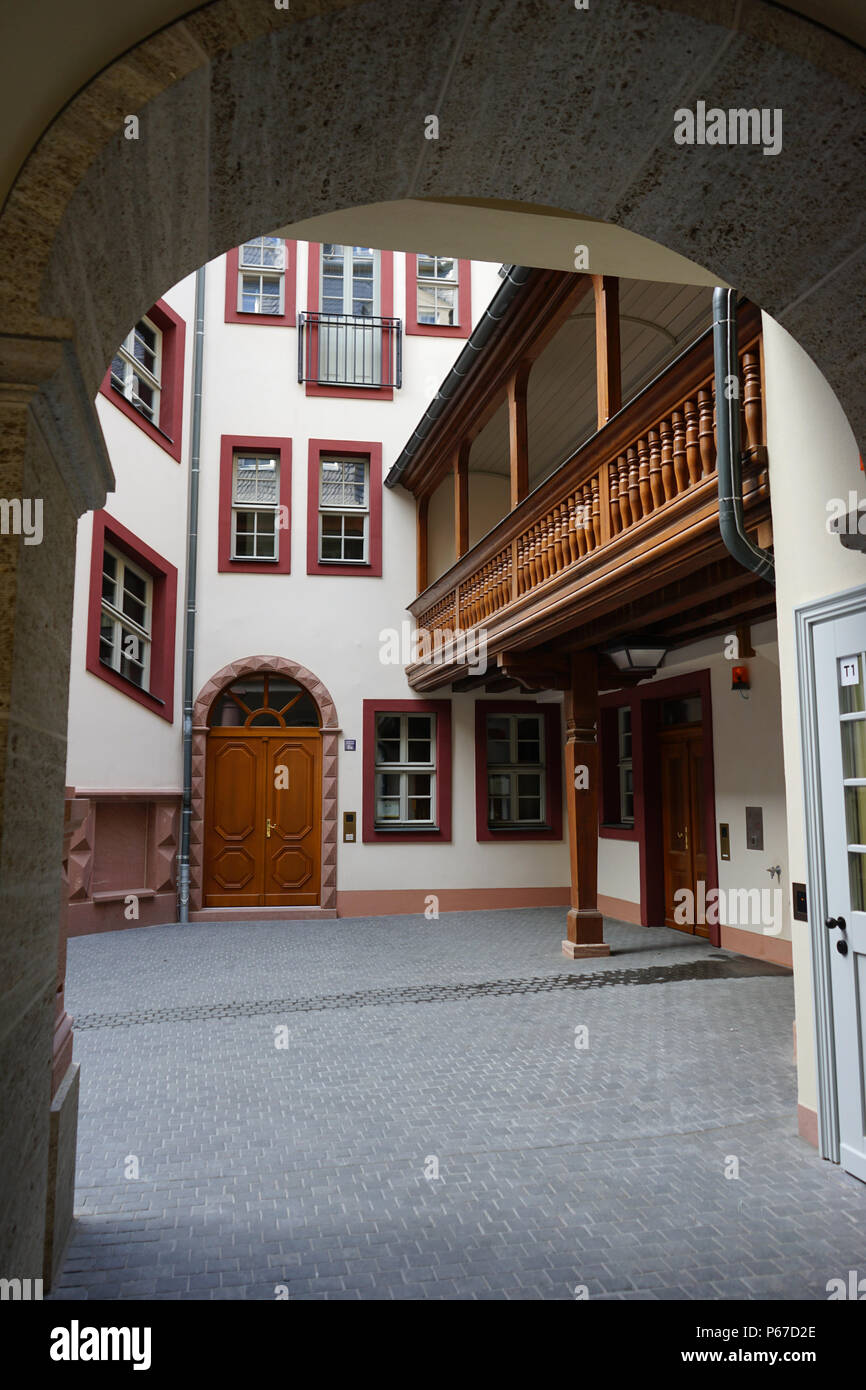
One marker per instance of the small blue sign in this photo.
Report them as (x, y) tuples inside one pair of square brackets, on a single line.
[(349, 745)]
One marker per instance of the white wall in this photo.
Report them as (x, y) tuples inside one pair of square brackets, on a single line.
[(114, 742), (813, 458)]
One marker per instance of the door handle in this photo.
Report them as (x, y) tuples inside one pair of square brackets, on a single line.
[(832, 922), (268, 829)]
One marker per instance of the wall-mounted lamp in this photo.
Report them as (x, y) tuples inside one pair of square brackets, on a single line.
[(642, 655), (740, 678)]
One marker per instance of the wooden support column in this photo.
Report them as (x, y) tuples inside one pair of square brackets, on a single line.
[(585, 929), (461, 500), (422, 551), (518, 434), (607, 352)]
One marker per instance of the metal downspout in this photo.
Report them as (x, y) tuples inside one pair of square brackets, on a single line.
[(191, 567), (729, 461)]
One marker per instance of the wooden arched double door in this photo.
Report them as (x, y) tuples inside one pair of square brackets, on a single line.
[(263, 797)]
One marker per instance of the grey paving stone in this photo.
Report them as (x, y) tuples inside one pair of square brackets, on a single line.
[(305, 1166)]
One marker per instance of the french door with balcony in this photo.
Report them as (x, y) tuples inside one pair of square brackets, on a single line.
[(350, 342)]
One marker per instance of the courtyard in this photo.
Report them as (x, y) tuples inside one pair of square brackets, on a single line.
[(403, 1108)]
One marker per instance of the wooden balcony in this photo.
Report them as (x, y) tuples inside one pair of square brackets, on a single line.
[(623, 534)]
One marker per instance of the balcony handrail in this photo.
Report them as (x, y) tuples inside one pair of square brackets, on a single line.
[(386, 367), (691, 371)]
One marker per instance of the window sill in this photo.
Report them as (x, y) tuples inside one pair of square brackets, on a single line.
[(407, 830), (138, 689)]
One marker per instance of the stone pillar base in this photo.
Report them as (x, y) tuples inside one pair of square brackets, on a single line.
[(63, 1136), (577, 950)]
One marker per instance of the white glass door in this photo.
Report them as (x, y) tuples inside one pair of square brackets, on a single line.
[(840, 688)]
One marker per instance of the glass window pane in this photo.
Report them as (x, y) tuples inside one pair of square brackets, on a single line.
[(854, 748), (855, 814), (850, 677)]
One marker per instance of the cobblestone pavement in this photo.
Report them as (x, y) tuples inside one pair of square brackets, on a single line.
[(414, 1046)]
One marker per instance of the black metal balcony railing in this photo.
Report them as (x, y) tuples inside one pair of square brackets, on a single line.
[(348, 350)]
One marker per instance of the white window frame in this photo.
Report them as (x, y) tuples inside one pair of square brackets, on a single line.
[(345, 509), (273, 508), (405, 769), (514, 769), (624, 761), (249, 268), (125, 627), (135, 371), (433, 283)]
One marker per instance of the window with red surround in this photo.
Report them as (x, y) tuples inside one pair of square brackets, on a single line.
[(261, 287), (344, 508), (131, 619), (619, 746), (518, 770), (346, 339), (153, 398), (255, 501), (438, 296), (407, 771)]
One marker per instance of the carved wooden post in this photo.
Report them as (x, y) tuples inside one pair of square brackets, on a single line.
[(518, 434), (422, 546), (461, 500), (693, 450), (681, 468), (585, 929), (607, 349)]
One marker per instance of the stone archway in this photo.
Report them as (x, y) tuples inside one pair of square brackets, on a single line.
[(257, 665)]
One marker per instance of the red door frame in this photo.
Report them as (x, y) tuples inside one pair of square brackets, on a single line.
[(645, 701)]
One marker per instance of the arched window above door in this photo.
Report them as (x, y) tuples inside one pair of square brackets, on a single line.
[(264, 701)]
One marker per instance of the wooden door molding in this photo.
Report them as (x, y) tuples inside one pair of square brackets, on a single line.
[(330, 732)]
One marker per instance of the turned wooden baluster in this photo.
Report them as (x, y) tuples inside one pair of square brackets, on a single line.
[(596, 510), (752, 412), (586, 515), (706, 436), (666, 441), (538, 567), (624, 503), (550, 549), (613, 493), (558, 560), (633, 484), (566, 533), (693, 450), (681, 467), (655, 455), (522, 564), (646, 497), (577, 536)]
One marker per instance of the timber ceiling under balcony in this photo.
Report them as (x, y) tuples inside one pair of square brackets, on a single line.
[(657, 322)]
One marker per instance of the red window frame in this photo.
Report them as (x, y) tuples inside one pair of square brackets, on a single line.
[(552, 767), (442, 709), (257, 444), (288, 318), (168, 434), (386, 310), (160, 698), (462, 329), (610, 826), (367, 450)]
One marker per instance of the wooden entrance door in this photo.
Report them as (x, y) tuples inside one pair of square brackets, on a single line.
[(263, 826), (683, 845)]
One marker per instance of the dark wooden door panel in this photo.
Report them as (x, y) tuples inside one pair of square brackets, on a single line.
[(294, 842), (234, 854), (263, 819)]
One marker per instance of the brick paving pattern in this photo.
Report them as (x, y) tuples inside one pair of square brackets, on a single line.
[(416, 1046)]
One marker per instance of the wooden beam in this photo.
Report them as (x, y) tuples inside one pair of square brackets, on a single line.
[(608, 369), (518, 434), (422, 551), (585, 924), (461, 499)]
